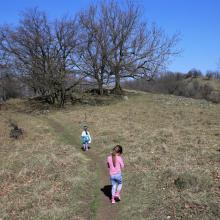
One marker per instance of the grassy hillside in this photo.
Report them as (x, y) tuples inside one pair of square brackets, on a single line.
[(171, 151)]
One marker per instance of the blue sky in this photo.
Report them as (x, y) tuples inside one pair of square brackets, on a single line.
[(198, 21)]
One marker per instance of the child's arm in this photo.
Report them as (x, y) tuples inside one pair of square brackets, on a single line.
[(82, 136), (121, 163), (90, 139), (108, 163)]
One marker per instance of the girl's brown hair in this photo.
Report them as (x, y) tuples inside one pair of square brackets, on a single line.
[(116, 150)]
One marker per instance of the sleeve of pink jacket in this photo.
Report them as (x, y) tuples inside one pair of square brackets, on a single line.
[(107, 161)]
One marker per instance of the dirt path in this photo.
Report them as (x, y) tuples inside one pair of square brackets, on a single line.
[(105, 210)]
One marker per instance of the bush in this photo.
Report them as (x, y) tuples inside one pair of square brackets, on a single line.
[(205, 91), (10, 87), (214, 97)]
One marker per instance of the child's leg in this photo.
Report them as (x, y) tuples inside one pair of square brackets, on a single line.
[(86, 145), (119, 188), (119, 181), (114, 186)]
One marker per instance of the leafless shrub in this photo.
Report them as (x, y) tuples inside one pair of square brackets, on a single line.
[(15, 131), (206, 90), (214, 96)]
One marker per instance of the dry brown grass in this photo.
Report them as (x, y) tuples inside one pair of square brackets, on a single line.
[(172, 156), (171, 150), (41, 177)]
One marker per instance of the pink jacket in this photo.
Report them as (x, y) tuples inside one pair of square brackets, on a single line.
[(118, 166)]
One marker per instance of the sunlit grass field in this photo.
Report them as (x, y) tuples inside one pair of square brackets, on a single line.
[(171, 151), (42, 176)]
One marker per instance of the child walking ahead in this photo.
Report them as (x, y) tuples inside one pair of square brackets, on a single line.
[(115, 164), (86, 138)]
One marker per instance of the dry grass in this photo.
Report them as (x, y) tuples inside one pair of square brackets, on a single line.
[(41, 177), (171, 150)]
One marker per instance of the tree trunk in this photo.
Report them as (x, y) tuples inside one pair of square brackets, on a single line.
[(101, 92), (62, 99), (117, 89)]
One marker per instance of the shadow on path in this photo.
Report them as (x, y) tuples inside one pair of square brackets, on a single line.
[(107, 191)]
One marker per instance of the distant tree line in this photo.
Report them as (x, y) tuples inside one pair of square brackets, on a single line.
[(105, 44), (192, 84)]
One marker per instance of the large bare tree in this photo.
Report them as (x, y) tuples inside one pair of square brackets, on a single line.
[(93, 50), (105, 42), (42, 53), (136, 49)]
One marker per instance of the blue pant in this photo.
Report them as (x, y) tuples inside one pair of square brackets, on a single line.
[(116, 181), (85, 145)]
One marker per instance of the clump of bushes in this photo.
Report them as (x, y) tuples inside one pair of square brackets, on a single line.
[(214, 97)]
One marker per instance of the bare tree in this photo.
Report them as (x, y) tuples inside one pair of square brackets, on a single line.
[(135, 48), (93, 50), (42, 53), (107, 42)]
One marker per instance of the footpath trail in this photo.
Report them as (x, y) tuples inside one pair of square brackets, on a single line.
[(104, 210)]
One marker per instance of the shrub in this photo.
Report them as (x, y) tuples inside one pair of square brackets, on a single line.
[(214, 97), (205, 91)]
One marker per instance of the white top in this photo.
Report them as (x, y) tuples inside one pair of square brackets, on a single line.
[(88, 134)]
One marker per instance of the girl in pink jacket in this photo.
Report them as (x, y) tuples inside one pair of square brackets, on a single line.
[(115, 164)]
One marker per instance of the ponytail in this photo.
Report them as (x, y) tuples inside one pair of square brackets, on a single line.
[(114, 159), (117, 149)]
